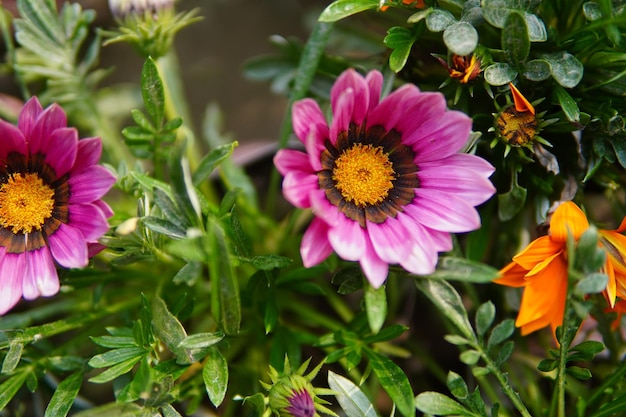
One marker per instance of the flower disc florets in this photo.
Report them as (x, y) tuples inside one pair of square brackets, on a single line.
[(50, 207), (385, 179)]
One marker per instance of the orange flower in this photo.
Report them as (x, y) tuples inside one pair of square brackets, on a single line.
[(464, 68), (419, 4), (541, 268)]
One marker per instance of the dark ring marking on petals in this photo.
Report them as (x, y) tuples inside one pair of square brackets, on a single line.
[(402, 159)]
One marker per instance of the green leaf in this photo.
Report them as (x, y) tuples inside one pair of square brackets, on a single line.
[(9, 388), (457, 385), (577, 372), (142, 121), (499, 74), (461, 38), (612, 408), (164, 227), (511, 202), (547, 365), (470, 357), (152, 92), (225, 287), (401, 40), (43, 15), (114, 341), (456, 340), (565, 68), (166, 326), (168, 410), (438, 404), (448, 301), (269, 262), (505, 352), (500, 333), (215, 376), (537, 70), (438, 20), (189, 273), (341, 9), (394, 381), (536, 28), (115, 371), (351, 399), (376, 307), (12, 358), (451, 268), (567, 103), (211, 160), (484, 317), (201, 340), (515, 40), (116, 356), (388, 333), (64, 395), (183, 190), (592, 284), (619, 146)]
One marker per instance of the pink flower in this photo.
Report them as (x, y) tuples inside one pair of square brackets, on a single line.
[(385, 179), (50, 207)]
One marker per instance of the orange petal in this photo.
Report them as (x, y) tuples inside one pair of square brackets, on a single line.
[(537, 251), (568, 216), (611, 287), (543, 301), (512, 275), (615, 246), (521, 104), (622, 226)]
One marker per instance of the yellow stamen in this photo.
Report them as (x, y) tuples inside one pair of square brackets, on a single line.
[(25, 203), (518, 128), (364, 175)]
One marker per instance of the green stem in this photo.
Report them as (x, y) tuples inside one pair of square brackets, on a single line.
[(568, 334), (311, 55)]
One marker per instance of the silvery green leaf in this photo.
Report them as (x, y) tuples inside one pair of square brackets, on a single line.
[(461, 38), (592, 11), (565, 68), (536, 28), (351, 399), (499, 73), (438, 20), (536, 70)]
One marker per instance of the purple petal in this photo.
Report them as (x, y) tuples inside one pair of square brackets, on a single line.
[(106, 209), (442, 211), (440, 137), (68, 247), (297, 186), (315, 246), (12, 266), (422, 259), (288, 160), (475, 163), (12, 140), (389, 240), (394, 108), (62, 155), (94, 248), (88, 154), (89, 219), (29, 115), (323, 209), (350, 80), (348, 239), (460, 181), (306, 115), (374, 80), (442, 241), (51, 119), (374, 268), (91, 184), (40, 277), (342, 115)]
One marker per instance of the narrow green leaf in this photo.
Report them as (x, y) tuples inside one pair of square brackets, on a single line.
[(515, 40), (456, 340), (500, 333), (568, 104), (457, 385), (114, 341), (388, 333), (211, 160), (44, 15), (350, 397), (341, 9), (164, 227), (394, 381), (269, 262), (152, 92), (9, 388), (470, 357), (376, 307), (189, 273), (438, 404), (452, 268), (484, 317), (115, 356), (183, 190), (201, 340), (612, 408), (168, 410), (115, 371), (215, 376), (577, 372), (64, 395), (547, 365), (141, 120), (12, 358), (166, 326)]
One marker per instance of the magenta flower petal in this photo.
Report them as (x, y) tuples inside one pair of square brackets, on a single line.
[(387, 185), (29, 115), (62, 156), (90, 220), (39, 139), (64, 213), (88, 154), (315, 245), (12, 266), (40, 277), (69, 247), (91, 184)]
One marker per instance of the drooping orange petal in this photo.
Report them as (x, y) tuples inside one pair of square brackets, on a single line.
[(512, 275), (615, 245), (568, 216), (532, 274), (622, 226), (611, 286), (537, 251), (543, 301), (521, 104)]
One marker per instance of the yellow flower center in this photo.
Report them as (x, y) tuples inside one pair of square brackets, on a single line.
[(25, 203), (517, 128), (364, 174)]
